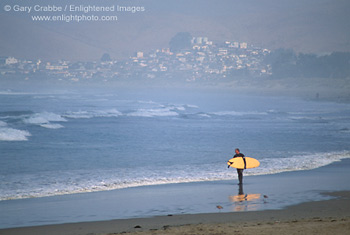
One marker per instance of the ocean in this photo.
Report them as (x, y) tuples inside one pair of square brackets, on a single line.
[(78, 142)]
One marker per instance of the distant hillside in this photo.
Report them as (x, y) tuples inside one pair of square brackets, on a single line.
[(316, 26)]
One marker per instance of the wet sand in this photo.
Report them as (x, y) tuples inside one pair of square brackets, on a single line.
[(315, 201), (319, 217)]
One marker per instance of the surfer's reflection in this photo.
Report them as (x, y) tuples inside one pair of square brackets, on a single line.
[(245, 202)]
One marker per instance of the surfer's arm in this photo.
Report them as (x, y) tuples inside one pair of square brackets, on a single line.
[(245, 163), (231, 163)]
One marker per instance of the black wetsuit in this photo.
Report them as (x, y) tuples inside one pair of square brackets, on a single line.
[(240, 171)]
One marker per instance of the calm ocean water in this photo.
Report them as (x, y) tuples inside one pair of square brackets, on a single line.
[(65, 143)]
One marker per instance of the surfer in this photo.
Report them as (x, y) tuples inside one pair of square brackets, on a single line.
[(240, 171), (241, 162)]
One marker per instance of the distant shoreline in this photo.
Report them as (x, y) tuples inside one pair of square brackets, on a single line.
[(315, 89)]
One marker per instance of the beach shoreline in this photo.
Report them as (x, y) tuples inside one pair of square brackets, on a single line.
[(321, 217), (259, 194), (295, 197)]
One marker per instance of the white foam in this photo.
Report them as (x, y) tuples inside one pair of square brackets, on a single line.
[(180, 108), (108, 113), (192, 106), (86, 181), (92, 114), (10, 134), (204, 115), (78, 114), (2, 123), (161, 112), (146, 102), (309, 119), (81, 181), (44, 118), (235, 113), (156, 110), (52, 125), (300, 162)]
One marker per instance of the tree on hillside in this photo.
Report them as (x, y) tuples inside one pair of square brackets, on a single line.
[(106, 57), (180, 41)]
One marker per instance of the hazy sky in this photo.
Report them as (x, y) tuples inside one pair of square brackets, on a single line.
[(317, 26)]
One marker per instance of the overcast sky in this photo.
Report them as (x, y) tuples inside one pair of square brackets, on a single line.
[(310, 26)]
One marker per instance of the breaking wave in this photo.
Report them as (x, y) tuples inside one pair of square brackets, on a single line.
[(93, 114), (160, 112), (235, 113), (44, 119), (11, 134), (299, 163), (83, 181), (52, 125)]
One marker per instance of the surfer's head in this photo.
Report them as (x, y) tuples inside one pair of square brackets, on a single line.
[(237, 150)]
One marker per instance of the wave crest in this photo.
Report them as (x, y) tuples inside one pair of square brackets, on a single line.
[(161, 112), (235, 113), (92, 114), (10, 134), (44, 119), (70, 182)]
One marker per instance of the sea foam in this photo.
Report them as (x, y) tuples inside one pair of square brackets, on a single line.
[(160, 112), (92, 114), (44, 119), (83, 181), (236, 113), (11, 134)]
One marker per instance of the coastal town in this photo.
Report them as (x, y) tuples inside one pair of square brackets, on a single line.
[(203, 60)]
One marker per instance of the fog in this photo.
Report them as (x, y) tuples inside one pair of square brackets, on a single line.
[(293, 47), (305, 26)]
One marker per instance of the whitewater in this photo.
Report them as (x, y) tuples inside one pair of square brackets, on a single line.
[(56, 144)]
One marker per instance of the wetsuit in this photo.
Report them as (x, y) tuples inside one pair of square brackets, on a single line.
[(240, 171)]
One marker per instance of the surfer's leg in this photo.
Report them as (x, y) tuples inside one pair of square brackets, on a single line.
[(240, 175), (240, 178)]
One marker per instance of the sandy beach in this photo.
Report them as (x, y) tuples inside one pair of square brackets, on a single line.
[(321, 217)]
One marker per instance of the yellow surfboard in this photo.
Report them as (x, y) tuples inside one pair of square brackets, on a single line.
[(239, 163)]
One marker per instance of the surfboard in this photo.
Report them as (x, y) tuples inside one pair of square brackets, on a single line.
[(239, 163)]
